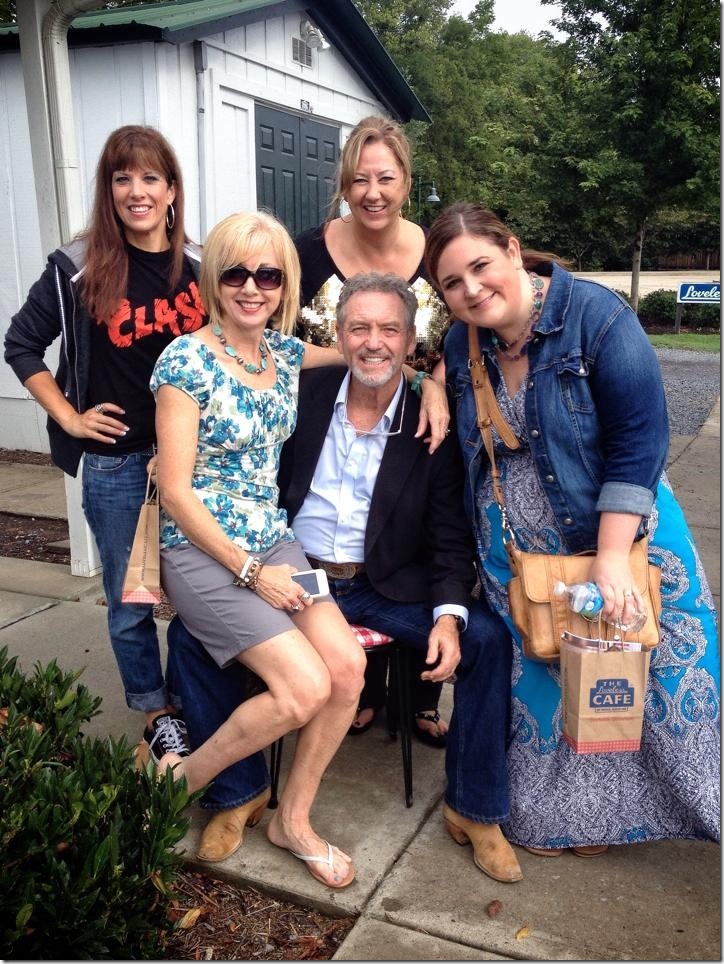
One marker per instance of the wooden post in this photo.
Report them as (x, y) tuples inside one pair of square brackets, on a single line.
[(677, 320)]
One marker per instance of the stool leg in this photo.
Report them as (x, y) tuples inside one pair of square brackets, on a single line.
[(393, 698), (405, 704), (275, 765)]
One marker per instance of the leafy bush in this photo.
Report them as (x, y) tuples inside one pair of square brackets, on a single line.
[(86, 839), (659, 308)]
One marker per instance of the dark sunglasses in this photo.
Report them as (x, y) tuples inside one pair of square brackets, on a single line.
[(265, 278)]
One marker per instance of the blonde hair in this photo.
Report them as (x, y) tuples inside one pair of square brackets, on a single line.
[(236, 240), (370, 130)]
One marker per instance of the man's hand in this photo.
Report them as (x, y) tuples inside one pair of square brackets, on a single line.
[(443, 644)]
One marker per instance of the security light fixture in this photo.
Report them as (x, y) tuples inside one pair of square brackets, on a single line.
[(311, 35)]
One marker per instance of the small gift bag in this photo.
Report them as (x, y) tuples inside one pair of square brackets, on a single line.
[(143, 575), (603, 691)]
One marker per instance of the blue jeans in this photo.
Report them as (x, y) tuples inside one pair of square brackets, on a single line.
[(209, 695), (476, 748), (114, 487)]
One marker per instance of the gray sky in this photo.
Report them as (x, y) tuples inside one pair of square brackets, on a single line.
[(514, 15)]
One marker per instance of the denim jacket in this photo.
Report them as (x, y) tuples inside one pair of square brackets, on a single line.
[(595, 407)]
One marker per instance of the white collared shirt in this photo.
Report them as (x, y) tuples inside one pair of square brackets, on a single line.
[(332, 520)]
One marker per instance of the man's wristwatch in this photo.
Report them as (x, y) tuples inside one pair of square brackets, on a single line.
[(458, 619)]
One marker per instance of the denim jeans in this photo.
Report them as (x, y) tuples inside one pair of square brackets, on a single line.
[(209, 695), (479, 736), (114, 487), (476, 749)]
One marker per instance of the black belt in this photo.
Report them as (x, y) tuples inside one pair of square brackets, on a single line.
[(338, 570)]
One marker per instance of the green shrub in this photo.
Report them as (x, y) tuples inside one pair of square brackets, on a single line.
[(87, 840), (659, 308)]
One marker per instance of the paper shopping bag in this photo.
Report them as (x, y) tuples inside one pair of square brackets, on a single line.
[(603, 693), (143, 575)]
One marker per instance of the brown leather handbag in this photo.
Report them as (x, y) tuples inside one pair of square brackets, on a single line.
[(540, 617)]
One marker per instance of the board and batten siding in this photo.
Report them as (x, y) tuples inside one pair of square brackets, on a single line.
[(209, 118)]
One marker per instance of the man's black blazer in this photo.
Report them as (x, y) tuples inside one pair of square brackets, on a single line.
[(418, 544)]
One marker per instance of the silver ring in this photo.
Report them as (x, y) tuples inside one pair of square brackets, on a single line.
[(99, 408), (627, 593), (306, 595), (295, 608)]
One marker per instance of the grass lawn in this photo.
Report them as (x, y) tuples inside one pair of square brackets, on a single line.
[(688, 340)]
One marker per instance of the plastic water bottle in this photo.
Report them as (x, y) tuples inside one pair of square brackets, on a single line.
[(584, 598)]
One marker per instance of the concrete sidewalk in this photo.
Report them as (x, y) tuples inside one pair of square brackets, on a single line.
[(418, 897)]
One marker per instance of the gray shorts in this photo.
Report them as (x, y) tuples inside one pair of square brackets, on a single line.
[(225, 618)]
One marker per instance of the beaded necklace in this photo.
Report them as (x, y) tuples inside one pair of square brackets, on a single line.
[(504, 347), (233, 353)]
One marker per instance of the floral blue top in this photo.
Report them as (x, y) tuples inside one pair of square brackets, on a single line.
[(241, 432)]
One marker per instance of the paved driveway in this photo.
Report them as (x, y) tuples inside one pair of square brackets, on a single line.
[(649, 280)]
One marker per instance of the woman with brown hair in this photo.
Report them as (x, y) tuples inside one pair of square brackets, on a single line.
[(374, 177), (116, 295), (578, 382)]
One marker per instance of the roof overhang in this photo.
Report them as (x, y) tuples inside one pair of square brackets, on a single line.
[(186, 20)]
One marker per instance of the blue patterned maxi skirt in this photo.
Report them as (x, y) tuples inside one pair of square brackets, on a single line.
[(670, 788)]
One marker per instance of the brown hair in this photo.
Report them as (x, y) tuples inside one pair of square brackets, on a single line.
[(105, 280), (466, 217), (370, 130), (238, 238)]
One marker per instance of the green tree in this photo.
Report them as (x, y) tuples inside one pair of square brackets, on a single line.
[(647, 83)]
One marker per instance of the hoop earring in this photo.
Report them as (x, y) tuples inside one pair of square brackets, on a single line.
[(170, 222)]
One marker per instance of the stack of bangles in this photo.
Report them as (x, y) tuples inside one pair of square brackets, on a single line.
[(249, 575)]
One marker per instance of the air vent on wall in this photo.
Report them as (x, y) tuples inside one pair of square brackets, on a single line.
[(301, 52)]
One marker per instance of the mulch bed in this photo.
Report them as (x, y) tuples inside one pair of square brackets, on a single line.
[(220, 922)]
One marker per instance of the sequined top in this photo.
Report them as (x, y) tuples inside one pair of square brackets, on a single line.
[(322, 282)]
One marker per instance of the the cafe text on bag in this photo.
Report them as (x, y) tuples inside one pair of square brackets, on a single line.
[(603, 693)]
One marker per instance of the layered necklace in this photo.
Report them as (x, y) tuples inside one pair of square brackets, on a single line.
[(536, 283), (233, 353)]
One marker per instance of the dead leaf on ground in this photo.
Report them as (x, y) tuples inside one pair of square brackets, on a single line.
[(522, 932), (190, 918)]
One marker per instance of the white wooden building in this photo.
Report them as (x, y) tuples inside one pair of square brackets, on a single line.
[(256, 97)]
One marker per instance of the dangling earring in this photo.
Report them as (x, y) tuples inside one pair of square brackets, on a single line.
[(172, 220), (409, 205), (347, 216)]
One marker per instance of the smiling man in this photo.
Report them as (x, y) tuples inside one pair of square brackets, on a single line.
[(384, 519)]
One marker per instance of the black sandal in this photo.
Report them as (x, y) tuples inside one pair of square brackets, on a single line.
[(359, 730), (439, 741)]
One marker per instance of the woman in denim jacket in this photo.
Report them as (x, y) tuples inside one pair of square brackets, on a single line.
[(576, 377)]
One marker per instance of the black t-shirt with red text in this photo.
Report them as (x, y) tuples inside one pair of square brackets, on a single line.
[(124, 351)]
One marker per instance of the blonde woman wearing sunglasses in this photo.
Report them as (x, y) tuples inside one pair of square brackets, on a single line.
[(226, 402)]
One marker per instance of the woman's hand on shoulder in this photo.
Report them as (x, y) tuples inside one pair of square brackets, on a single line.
[(434, 413)]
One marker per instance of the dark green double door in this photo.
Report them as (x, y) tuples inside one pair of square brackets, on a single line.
[(296, 158)]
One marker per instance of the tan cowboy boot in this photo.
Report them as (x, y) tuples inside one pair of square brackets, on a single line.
[(224, 833), (491, 851)]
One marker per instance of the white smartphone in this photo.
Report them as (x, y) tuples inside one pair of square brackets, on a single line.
[(313, 581)]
